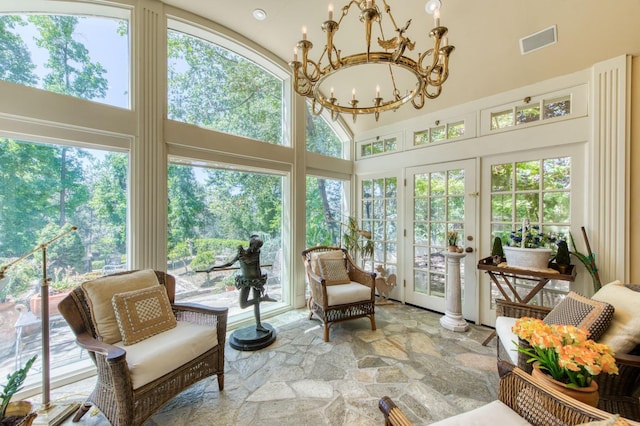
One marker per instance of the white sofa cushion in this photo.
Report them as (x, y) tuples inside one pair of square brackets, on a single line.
[(491, 414), (160, 354), (508, 337), (347, 293)]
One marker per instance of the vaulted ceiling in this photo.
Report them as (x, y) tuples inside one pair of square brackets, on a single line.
[(486, 34)]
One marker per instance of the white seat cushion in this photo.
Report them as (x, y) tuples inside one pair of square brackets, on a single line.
[(491, 414), (341, 294), (160, 354), (507, 337)]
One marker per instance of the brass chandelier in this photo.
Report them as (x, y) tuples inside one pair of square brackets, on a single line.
[(430, 68)]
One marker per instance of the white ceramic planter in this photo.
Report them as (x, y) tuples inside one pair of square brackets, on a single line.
[(528, 258)]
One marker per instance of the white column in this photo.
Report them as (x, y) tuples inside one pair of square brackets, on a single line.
[(453, 319)]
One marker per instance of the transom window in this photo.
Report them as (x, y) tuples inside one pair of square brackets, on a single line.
[(379, 146), (81, 56), (213, 87), (439, 133), (531, 112)]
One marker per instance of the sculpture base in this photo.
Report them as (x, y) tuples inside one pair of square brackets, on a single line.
[(454, 322), (250, 339)]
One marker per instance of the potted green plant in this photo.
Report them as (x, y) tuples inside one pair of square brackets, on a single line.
[(357, 241), (452, 240), (497, 253), (563, 259), (16, 413)]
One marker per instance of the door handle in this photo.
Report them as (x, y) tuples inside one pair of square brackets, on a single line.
[(469, 249)]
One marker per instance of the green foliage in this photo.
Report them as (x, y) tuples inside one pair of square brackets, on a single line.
[(19, 280), (357, 241), (203, 260), (67, 251), (186, 204), (562, 256), (215, 88), (15, 61), (71, 71), (589, 262), (14, 383)]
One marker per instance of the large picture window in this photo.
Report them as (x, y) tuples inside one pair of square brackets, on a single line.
[(212, 211), (46, 189)]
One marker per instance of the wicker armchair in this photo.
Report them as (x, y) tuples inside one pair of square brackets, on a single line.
[(534, 402), (322, 294), (618, 393), (114, 393)]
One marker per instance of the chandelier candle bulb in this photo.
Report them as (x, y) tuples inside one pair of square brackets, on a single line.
[(295, 54), (353, 94), (331, 11), (304, 33), (377, 91), (436, 17)]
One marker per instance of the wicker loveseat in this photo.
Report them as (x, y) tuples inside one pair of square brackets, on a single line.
[(137, 374), (340, 291), (521, 401), (618, 393)]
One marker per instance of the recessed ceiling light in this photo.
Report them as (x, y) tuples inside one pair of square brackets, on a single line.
[(260, 14)]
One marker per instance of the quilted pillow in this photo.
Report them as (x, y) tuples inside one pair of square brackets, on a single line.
[(333, 271), (582, 312), (624, 333), (99, 293), (143, 313)]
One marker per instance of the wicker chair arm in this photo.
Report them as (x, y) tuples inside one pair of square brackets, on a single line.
[(537, 403), (518, 310), (318, 287), (111, 353), (199, 308), (393, 416), (360, 275)]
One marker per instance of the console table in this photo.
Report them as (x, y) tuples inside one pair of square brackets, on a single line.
[(504, 278)]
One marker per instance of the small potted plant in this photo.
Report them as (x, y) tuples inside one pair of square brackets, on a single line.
[(563, 259), (497, 253), (452, 239), (16, 413)]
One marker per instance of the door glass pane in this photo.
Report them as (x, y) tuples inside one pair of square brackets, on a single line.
[(557, 173), (501, 177), (383, 208), (446, 213), (528, 175)]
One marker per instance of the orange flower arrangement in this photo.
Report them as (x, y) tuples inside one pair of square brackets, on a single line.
[(564, 351)]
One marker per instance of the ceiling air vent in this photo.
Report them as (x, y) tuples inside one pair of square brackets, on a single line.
[(538, 40)]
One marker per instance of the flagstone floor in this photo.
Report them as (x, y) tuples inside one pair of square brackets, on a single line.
[(430, 372)]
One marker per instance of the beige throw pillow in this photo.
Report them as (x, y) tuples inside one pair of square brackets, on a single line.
[(333, 271), (99, 293), (624, 332), (315, 259), (143, 313)]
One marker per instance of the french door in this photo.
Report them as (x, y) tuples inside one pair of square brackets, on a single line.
[(440, 198)]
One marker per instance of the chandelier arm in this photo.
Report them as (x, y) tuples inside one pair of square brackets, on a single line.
[(418, 101)]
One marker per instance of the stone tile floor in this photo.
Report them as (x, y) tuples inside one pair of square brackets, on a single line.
[(430, 372)]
